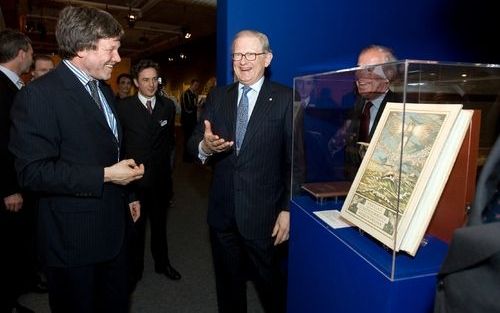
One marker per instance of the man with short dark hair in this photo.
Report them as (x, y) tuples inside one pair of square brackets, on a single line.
[(148, 121), (66, 139), (16, 56)]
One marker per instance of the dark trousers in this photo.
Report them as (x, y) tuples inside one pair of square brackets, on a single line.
[(154, 206), (18, 263), (94, 288), (188, 126), (237, 260)]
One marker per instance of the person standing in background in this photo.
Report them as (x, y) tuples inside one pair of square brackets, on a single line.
[(42, 64), (148, 121), (66, 140), (373, 81), (189, 111), (16, 235), (246, 136), (124, 82)]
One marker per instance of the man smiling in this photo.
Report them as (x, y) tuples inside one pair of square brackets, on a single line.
[(248, 207), (66, 140)]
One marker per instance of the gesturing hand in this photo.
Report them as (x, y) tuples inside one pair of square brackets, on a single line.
[(213, 143)]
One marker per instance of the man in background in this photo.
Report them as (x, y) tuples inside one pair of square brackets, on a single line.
[(42, 64), (16, 235), (148, 121), (373, 81), (66, 139), (189, 111), (246, 135)]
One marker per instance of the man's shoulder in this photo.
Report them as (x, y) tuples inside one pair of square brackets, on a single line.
[(125, 104), (280, 86)]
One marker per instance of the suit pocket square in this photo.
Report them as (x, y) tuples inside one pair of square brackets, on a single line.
[(163, 123)]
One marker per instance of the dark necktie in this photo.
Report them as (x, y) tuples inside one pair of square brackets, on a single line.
[(242, 118), (364, 125), (149, 107), (95, 93)]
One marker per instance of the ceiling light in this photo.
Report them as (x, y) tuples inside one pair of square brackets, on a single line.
[(186, 32), (131, 19)]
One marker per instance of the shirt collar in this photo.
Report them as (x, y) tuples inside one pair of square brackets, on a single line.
[(82, 76), (256, 86), (144, 99), (10, 74)]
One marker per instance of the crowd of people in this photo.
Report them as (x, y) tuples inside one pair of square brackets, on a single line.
[(78, 192), (88, 186)]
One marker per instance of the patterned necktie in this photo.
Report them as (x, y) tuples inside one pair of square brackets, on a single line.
[(95, 93), (364, 124), (149, 107), (242, 118)]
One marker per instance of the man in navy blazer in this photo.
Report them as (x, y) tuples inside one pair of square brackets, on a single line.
[(66, 140), (16, 209), (148, 121), (469, 278), (250, 191), (373, 82)]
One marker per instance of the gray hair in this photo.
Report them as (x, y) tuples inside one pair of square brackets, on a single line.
[(253, 33)]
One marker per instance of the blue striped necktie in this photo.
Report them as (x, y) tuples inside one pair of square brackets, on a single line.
[(242, 118)]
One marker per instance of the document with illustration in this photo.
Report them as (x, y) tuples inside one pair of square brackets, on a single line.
[(404, 171)]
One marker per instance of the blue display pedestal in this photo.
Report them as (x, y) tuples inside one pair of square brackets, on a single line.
[(344, 270)]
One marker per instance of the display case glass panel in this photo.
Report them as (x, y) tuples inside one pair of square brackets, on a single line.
[(330, 143)]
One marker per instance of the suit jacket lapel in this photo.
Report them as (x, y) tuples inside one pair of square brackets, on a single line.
[(8, 82), (231, 109), (79, 95)]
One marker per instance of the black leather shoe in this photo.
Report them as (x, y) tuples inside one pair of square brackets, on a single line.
[(19, 308), (169, 271)]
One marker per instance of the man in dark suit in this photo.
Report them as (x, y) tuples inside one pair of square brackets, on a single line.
[(469, 279), (189, 114), (249, 195), (16, 55), (148, 135), (373, 81), (66, 140)]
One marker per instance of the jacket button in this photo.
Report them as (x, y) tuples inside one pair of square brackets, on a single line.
[(440, 285)]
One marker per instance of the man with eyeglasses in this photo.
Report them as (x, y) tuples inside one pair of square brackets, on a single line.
[(373, 81), (245, 134)]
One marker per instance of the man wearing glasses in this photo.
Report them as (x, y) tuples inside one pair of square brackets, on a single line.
[(245, 134)]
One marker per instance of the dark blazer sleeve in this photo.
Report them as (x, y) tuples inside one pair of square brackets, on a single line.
[(469, 279), (8, 182), (62, 143), (36, 138)]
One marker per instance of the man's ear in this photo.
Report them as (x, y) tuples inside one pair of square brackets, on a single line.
[(136, 83), (269, 57)]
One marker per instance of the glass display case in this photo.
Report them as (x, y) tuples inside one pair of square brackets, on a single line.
[(411, 158)]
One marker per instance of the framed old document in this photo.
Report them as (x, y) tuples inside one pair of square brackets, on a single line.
[(404, 171)]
